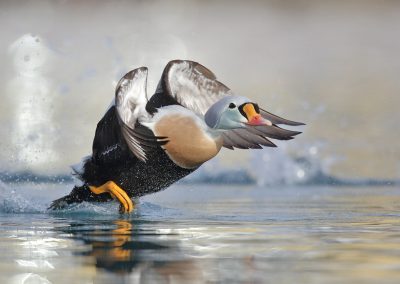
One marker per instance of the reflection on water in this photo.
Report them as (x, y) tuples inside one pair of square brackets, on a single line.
[(281, 235), (125, 246)]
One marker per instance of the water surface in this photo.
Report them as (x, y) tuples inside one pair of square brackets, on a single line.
[(204, 234)]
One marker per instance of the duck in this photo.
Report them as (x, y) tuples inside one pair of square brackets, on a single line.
[(143, 145)]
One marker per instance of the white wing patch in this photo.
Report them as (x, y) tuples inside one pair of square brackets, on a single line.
[(130, 101), (131, 95), (194, 86)]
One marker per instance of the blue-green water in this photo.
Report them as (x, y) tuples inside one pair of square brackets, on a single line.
[(202, 234)]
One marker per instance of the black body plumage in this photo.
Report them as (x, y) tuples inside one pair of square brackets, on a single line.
[(112, 160)]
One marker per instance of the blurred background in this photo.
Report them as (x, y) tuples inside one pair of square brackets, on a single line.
[(334, 65)]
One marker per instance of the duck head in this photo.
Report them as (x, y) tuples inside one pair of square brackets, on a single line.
[(232, 112)]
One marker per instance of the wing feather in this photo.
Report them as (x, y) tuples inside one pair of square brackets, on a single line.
[(189, 84), (130, 102), (257, 140), (277, 119), (273, 132), (235, 140)]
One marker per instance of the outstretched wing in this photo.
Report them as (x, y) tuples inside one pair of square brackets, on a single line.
[(188, 84), (196, 88), (130, 103)]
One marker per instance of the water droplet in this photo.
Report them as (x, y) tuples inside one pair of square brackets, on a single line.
[(313, 150), (27, 58), (300, 173)]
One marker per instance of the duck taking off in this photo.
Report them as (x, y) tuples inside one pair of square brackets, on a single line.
[(142, 146)]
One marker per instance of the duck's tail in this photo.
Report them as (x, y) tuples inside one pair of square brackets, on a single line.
[(77, 195)]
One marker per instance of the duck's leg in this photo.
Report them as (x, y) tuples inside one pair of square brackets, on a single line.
[(117, 193)]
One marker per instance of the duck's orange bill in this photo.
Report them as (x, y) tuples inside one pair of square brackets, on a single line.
[(253, 117)]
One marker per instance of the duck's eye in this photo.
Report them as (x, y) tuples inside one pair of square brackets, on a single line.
[(232, 105)]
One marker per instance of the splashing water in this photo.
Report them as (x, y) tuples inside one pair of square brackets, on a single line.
[(12, 201), (284, 167), (35, 198)]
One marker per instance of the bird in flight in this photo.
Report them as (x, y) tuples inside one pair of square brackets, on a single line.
[(142, 145)]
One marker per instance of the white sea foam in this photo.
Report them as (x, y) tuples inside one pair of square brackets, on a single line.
[(12, 201)]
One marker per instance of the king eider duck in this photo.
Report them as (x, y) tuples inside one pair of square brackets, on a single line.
[(142, 145)]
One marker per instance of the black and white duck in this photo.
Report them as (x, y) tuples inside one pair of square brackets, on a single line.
[(142, 145)]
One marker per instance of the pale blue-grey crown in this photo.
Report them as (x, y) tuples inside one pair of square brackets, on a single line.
[(214, 113)]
